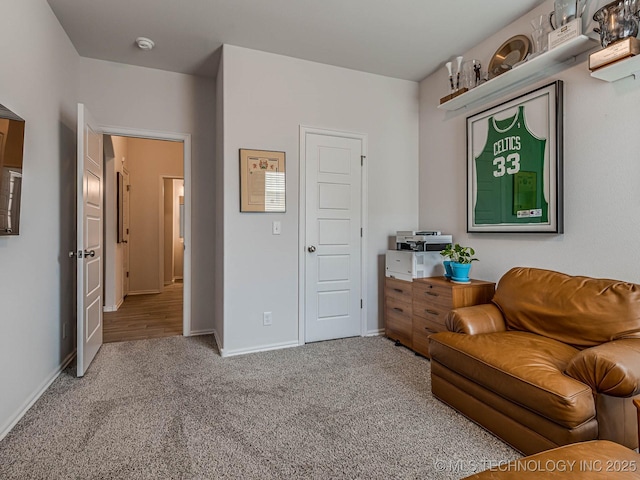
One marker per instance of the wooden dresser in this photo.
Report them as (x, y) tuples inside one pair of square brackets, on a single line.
[(415, 310)]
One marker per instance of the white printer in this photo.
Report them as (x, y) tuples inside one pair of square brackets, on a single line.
[(417, 255)]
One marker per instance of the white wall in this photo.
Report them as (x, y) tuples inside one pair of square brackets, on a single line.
[(266, 98), (218, 251), (37, 284), (143, 98), (601, 172)]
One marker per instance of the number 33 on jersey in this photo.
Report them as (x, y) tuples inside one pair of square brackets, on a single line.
[(510, 174)]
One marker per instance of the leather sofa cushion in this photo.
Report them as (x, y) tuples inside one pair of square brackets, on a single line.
[(595, 460), (612, 368), (579, 311), (522, 367)]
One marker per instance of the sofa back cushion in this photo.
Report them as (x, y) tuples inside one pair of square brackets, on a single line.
[(579, 311)]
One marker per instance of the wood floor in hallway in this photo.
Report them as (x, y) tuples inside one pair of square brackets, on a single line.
[(146, 316)]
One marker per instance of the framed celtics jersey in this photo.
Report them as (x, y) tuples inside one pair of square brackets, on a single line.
[(514, 164)]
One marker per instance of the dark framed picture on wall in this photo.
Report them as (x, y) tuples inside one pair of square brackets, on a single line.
[(514, 164)]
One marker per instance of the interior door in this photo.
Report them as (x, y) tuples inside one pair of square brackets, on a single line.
[(333, 237), (125, 233), (89, 240)]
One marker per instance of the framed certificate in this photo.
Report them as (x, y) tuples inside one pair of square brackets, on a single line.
[(262, 181), (514, 164)]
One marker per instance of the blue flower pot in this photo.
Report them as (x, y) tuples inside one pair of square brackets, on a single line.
[(460, 272), (448, 272)]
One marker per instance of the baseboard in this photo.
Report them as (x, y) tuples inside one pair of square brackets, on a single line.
[(143, 292), (263, 348), (33, 398), (218, 343), (195, 333), (375, 333), (113, 308)]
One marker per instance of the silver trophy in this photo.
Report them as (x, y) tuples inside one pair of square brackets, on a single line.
[(617, 20), (564, 11)]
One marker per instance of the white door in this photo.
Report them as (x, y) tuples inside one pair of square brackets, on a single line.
[(125, 233), (89, 239), (333, 237)]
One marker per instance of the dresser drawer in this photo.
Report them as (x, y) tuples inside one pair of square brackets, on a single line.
[(431, 311), (398, 289), (432, 293), (429, 326), (421, 341), (399, 326)]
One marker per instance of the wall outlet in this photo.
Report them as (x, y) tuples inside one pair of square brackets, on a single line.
[(267, 318), (276, 228)]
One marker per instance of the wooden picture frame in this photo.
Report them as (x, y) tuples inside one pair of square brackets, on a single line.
[(514, 164), (262, 181)]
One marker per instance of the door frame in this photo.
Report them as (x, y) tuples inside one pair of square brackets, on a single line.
[(161, 225), (302, 224), (185, 138)]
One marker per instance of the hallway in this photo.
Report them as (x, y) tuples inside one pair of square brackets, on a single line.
[(146, 316)]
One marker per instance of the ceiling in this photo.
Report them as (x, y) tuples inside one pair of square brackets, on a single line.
[(406, 39)]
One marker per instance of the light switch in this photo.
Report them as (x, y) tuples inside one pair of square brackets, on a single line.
[(276, 228)]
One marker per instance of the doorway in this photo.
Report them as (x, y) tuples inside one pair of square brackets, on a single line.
[(147, 284)]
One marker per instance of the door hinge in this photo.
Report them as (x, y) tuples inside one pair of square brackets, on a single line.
[(127, 274), (128, 187), (361, 232), (361, 304), (127, 231), (362, 157)]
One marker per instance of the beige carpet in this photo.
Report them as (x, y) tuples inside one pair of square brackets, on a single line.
[(172, 408)]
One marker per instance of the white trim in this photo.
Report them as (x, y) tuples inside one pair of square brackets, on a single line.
[(33, 398), (185, 138), (263, 348), (375, 333), (217, 339), (113, 308), (144, 292), (207, 331), (302, 207)]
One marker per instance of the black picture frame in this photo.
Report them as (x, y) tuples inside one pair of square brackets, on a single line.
[(515, 164)]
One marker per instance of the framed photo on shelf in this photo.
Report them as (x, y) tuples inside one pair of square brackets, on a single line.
[(262, 181), (514, 164)]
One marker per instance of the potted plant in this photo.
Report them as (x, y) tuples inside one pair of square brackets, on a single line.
[(447, 253), (460, 261)]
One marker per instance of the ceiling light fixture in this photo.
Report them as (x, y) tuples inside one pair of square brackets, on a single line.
[(144, 43)]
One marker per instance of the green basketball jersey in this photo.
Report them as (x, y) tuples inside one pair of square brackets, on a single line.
[(510, 174)]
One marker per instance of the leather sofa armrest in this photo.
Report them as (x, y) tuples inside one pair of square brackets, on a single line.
[(612, 368), (485, 318)]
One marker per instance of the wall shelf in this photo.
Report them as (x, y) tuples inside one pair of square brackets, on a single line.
[(525, 74), (620, 69)]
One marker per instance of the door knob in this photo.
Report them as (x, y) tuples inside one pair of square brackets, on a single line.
[(311, 249), (89, 253)]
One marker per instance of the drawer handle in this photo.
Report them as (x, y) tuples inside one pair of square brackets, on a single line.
[(432, 294), (398, 309), (431, 312), (399, 290)]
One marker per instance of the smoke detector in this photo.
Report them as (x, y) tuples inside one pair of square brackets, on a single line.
[(144, 43)]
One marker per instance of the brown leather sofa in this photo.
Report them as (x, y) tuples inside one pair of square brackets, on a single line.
[(595, 460), (553, 360)]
